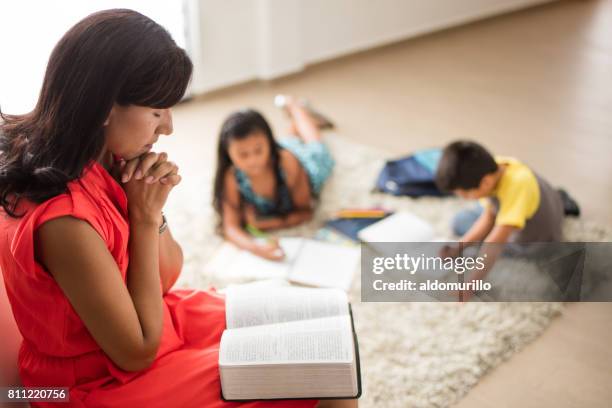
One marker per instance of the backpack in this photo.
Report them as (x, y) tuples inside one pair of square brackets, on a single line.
[(412, 176)]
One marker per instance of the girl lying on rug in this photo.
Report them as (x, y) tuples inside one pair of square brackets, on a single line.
[(85, 252), (264, 184)]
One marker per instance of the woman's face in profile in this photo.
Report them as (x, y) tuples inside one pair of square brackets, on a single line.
[(132, 130)]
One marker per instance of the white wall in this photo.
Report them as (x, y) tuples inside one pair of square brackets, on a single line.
[(225, 43), (337, 27), (29, 37), (240, 40)]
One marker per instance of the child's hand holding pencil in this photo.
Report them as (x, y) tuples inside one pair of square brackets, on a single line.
[(265, 246)]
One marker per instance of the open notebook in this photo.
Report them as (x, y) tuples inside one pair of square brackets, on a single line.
[(288, 342), (307, 262), (402, 226), (404, 232)]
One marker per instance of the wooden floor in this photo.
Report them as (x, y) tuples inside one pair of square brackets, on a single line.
[(570, 365), (536, 84)]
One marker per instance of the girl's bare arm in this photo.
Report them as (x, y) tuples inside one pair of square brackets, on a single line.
[(232, 225), (232, 219)]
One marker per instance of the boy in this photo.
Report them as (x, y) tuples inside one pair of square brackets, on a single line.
[(516, 205)]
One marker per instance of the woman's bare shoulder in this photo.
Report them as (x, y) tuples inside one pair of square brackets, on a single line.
[(65, 236)]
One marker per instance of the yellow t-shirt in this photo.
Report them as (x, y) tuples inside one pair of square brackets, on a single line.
[(518, 193)]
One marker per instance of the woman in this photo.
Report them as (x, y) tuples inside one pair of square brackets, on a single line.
[(86, 254)]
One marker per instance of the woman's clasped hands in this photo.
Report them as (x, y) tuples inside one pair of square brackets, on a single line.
[(147, 181)]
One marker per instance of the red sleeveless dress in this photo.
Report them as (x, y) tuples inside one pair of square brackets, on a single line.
[(57, 349)]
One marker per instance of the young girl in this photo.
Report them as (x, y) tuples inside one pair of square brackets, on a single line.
[(86, 255), (267, 184)]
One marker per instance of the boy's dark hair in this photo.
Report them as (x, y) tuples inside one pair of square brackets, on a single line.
[(463, 165)]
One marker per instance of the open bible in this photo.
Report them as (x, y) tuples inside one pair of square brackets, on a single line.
[(288, 342)]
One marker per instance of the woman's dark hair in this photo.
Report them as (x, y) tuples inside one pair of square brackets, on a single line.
[(239, 125), (463, 165), (113, 56)]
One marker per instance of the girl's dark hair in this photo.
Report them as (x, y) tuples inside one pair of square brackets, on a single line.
[(463, 165), (237, 126), (113, 56)]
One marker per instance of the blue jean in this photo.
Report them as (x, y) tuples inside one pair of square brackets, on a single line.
[(464, 219)]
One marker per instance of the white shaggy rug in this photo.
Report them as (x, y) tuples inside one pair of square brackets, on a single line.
[(412, 354)]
